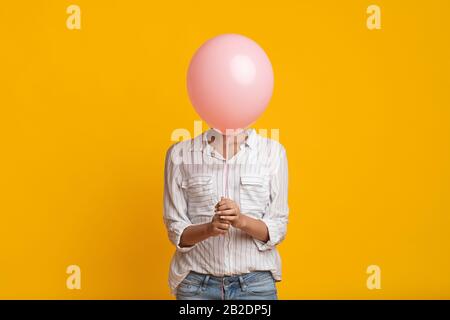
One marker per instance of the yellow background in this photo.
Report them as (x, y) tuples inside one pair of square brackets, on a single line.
[(86, 117)]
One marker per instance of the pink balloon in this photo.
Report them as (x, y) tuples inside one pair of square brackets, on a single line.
[(230, 82)]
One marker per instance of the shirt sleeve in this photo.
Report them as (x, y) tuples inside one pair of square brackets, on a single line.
[(175, 205), (276, 218)]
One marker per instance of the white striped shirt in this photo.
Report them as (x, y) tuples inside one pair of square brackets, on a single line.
[(197, 176)]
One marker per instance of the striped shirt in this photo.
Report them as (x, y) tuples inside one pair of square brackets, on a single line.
[(197, 176)]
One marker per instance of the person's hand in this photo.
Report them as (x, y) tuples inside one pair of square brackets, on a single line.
[(218, 226), (229, 211)]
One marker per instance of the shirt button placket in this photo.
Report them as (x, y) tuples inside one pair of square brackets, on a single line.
[(227, 235)]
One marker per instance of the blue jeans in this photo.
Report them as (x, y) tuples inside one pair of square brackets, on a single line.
[(259, 285)]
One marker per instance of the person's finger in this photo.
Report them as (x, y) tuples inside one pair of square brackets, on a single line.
[(219, 232), (223, 226), (216, 217), (220, 203), (227, 212), (224, 207), (228, 218), (223, 201)]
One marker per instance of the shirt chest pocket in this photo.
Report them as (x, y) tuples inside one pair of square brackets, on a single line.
[(254, 195), (200, 196)]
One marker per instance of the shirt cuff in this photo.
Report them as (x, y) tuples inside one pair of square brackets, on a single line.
[(178, 238), (263, 246)]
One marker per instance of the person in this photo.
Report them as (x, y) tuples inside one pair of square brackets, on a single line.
[(225, 210)]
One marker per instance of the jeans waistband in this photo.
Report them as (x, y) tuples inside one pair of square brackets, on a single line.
[(233, 278)]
